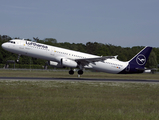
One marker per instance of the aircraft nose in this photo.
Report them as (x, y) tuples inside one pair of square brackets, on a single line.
[(4, 46)]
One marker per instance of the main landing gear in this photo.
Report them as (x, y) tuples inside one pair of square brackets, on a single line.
[(80, 72), (71, 72)]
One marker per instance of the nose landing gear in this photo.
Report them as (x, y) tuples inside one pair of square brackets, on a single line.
[(18, 58)]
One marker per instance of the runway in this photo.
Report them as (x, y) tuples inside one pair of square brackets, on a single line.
[(78, 79)]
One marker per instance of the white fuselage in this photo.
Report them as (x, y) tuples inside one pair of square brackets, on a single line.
[(52, 53)]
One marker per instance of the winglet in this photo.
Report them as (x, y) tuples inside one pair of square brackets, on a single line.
[(116, 56)]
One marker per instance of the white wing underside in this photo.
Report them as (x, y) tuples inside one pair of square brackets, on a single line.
[(86, 61)]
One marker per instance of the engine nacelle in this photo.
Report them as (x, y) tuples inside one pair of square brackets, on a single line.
[(55, 64), (68, 63)]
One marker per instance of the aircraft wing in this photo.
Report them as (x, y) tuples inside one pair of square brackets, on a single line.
[(85, 61)]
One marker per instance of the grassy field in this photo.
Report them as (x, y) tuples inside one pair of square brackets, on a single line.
[(59, 100), (76, 100)]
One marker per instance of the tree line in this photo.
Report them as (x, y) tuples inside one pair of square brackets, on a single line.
[(124, 53)]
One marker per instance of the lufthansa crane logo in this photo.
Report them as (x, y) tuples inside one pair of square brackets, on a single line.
[(141, 59)]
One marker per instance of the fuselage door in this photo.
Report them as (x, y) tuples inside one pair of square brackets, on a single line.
[(22, 47), (53, 51)]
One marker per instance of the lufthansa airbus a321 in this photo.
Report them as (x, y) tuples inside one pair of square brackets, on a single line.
[(60, 57)]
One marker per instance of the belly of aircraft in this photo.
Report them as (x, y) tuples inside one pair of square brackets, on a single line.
[(104, 67)]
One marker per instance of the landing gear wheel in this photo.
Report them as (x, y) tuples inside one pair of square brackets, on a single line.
[(71, 72), (80, 72), (18, 58)]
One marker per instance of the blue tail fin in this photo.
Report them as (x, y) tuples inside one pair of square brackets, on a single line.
[(141, 58), (137, 63)]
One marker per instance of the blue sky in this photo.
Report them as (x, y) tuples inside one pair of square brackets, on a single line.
[(123, 23)]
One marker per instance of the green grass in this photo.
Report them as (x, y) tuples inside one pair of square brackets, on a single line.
[(73, 100)]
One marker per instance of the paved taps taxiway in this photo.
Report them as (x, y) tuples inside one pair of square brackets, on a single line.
[(78, 79)]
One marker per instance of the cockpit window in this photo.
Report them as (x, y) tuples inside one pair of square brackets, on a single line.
[(12, 42)]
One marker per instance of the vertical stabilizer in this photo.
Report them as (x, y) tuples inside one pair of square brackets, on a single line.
[(141, 58), (137, 63)]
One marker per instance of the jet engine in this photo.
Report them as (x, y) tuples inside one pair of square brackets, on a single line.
[(55, 64), (68, 63)]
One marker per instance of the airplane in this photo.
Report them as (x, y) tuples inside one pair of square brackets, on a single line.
[(60, 57)]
